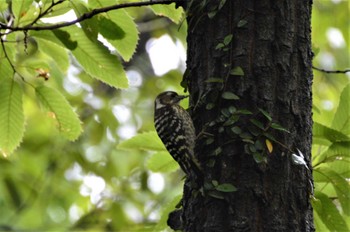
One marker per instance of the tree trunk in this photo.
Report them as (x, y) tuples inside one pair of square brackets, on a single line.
[(250, 124)]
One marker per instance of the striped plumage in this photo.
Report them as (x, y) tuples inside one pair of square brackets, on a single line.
[(175, 128)]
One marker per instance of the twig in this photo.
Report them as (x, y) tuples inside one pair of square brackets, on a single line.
[(87, 15), (42, 14), (331, 71)]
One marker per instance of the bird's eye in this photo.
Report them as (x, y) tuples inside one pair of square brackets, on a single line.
[(172, 95)]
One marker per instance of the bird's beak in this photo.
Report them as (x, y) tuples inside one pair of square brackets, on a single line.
[(180, 97)]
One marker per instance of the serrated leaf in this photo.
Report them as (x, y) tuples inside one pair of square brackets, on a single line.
[(328, 212), (227, 188), (229, 96), (5, 67), (168, 11), (121, 31), (324, 132), (162, 162), (58, 107), (269, 145), (11, 115), (97, 61), (58, 54), (89, 26), (337, 150), (341, 120), (340, 185), (144, 141), (237, 71)]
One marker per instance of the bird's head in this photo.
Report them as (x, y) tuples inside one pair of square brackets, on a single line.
[(168, 98)]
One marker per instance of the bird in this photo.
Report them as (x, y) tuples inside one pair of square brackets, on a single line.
[(175, 128)]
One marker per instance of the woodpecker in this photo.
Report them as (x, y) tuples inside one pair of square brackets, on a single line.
[(175, 128)]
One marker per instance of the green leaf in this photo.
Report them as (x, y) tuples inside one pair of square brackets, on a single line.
[(5, 67), (166, 210), (3, 5), (97, 60), (340, 184), (227, 188), (128, 34), (168, 11), (237, 71), (120, 30), (216, 194), (89, 26), (279, 127), (11, 115), (162, 162), (324, 132), (65, 38), (58, 10), (242, 23), (229, 96), (328, 212), (94, 57), (337, 151), (257, 123), (144, 141), (57, 54), (19, 9), (228, 39), (341, 121), (266, 114), (58, 107)]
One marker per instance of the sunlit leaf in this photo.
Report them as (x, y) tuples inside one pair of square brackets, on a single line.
[(341, 121), (97, 61), (59, 109), (144, 141), (120, 31), (162, 162), (168, 208), (339, 183), (168, 11), (11, 115), (328, 212), (20, 8), (328, 133)]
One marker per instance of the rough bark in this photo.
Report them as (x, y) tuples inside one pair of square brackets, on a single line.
[(271, 43)]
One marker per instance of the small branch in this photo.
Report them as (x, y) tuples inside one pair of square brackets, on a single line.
[(331, 71), (86, 15), (42, 14)]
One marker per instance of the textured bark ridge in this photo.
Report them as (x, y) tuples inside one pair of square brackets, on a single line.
[(270, 42)]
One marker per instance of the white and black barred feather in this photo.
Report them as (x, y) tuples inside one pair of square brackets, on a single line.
[(175, 128)]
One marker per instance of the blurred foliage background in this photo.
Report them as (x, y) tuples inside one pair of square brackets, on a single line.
[(96, 183)]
